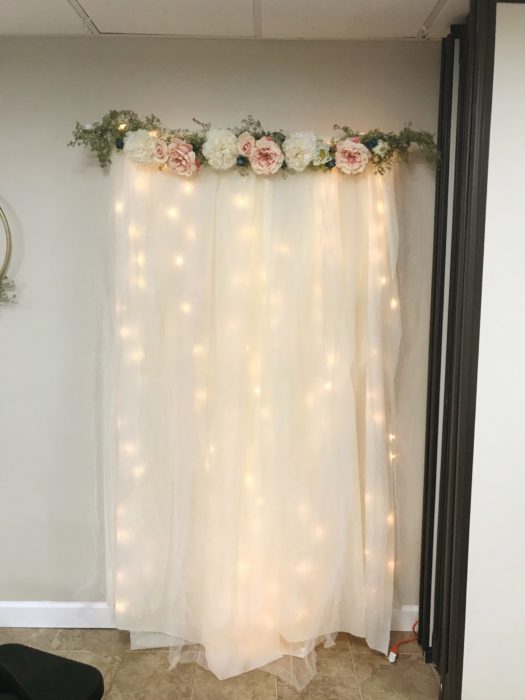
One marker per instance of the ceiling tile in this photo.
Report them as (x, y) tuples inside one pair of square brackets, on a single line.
[(178, 17), (343, 19), (39, 17)]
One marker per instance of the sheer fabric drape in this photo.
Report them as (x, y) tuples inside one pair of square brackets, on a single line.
[(256, 329)]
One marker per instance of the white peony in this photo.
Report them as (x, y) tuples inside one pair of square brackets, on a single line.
[(381, 149), (300, 149), (322, 154), (140, 146), (220, 149)]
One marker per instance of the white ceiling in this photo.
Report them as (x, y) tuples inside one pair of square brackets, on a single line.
[(266, 19)]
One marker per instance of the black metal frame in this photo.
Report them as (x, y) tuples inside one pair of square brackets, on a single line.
[(468, 231), (435, 341)]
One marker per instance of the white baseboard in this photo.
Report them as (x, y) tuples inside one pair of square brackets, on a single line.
[(404, 617), (100, 615), (55, 614)]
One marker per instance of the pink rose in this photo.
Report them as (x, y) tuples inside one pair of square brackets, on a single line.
[(181, 158), (351, 157), (266, 157), (160, 151), (245, 144), (356, 139)]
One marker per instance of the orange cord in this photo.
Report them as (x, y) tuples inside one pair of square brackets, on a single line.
[(413, 638)]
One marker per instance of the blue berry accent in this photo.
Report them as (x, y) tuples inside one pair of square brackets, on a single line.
[(241, 160), (119, 143), (371, 144), (330, 164)]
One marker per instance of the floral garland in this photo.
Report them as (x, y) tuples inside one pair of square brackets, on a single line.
[(249, 147)]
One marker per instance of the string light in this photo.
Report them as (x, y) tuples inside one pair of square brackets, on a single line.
[(132, 231), (124, 332), (330, 359), (327, 386), (383, 281), (319, 532), (173, 213), (122, 126), (198, 350), (187, 187), (129, 448), (240, 201), (154, 133), (123, 536), (178, 260), (394, 303), (141, 259), (119, 207), (390, 519), (137, 356), (391, 565), (141, 282), (257, 390), (139, 471), (185, 308)]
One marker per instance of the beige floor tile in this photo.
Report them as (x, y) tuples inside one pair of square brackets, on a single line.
[(30, 636), (255, 685), (408, 679), (114, 642), (146, 675), (335, 678), (106, 663)]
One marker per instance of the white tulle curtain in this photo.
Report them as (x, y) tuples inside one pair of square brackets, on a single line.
[(257, 329)]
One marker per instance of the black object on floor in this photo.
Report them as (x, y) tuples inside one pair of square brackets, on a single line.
[(30, 674)]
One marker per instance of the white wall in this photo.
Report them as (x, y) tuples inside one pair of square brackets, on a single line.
[(57, 199), (493, 664)]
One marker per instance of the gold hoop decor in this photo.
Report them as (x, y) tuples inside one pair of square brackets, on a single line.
[(8, 244)]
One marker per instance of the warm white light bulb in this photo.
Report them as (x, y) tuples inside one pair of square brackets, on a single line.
[(122, 126), (394, 303), (173, 213), (178, 260), (185, 308), (119, 207), (139, 471)]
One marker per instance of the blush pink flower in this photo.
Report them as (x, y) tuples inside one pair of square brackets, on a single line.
[(266, 157), (181, 158), (351, 157), (245, 144), (160, 151)]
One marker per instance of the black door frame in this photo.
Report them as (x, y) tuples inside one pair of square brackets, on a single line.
[(463, 325)]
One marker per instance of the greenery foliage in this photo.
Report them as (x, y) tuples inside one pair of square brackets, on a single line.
[(386, 148)]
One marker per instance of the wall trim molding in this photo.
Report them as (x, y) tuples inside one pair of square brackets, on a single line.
[(45, 613), (403, 618), (15, 613)]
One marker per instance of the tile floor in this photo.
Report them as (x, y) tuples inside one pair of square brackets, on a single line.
[(348, 671)]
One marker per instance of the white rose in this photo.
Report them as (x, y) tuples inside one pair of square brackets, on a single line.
[(220, 149), (140, 146), (299, 149), (381, 149), (322, 155)]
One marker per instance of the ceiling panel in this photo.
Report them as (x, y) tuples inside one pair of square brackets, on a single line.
[(39, 17), (343, 19), (181, 17)]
